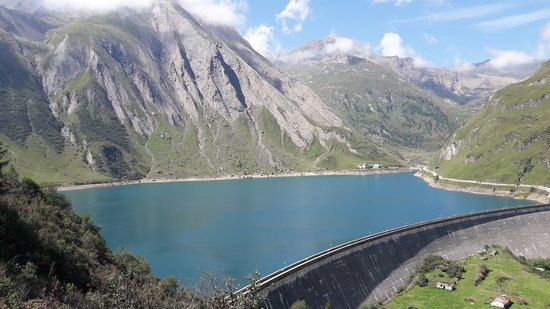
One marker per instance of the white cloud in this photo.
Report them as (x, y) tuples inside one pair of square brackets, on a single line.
[(97, 5), (341, 45), (461, 65), (543, 50), (331, 46), (430, 39), (261, 39), (217, 12), (507, 58), (514, 21), (295, 11), (392, 45), (395, 2), (462, 13)]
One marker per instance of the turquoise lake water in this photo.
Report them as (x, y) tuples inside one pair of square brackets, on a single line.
[(236, 226)]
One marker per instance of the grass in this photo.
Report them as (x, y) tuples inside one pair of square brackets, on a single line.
[(506, 276), (38, 159)]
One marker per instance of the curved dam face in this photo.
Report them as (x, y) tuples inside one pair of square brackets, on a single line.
[(371, 269)]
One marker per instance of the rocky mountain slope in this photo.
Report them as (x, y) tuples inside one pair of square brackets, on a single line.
[(155, 93), (379, 104), (508, 140), (469, 86)]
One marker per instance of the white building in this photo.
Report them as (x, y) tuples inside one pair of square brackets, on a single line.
[(445, 286), (501, 301)]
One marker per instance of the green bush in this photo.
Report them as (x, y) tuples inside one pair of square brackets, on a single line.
[(52, 258), (299, 304)]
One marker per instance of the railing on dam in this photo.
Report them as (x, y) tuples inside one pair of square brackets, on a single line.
[(279, 277)]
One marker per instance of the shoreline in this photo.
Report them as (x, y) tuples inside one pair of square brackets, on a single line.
[(427, 177), (239, 177)]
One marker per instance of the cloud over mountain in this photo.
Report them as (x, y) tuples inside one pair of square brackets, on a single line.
[(261, 39), (296, 11), (392, 45), (218, 12)]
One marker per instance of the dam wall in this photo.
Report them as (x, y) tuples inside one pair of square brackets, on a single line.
[(372, 269)]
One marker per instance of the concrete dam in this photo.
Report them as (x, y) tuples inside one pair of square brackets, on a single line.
[(372, 269)]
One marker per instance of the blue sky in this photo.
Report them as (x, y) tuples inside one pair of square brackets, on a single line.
[(436, 32)]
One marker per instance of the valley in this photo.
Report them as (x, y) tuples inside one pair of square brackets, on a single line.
[(111, 98), (211, 137)]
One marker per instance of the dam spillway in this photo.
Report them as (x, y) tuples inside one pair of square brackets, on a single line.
[(372, 269)]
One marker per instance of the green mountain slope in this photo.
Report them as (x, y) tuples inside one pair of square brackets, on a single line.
[(27, 124), (381, 105), (508, 140)]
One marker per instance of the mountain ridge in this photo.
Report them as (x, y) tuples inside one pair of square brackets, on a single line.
[(155, 93), (466, 86)]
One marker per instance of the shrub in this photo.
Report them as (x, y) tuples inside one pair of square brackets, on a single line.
[(453, 269), (422, 281), (430, 263), (300, 304), (481, 274)]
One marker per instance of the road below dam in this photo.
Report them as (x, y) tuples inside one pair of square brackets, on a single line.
[(372, 269)]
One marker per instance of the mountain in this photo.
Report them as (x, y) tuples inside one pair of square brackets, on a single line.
[(506, 141), (28, 6), (467, 86), (377, 101), (155, 93)]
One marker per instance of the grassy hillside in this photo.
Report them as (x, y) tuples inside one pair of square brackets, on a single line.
[(508, 140), (27, 125), (506, 274)]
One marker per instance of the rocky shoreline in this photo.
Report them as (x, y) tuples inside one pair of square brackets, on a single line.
[(220, 178), (536, 197)]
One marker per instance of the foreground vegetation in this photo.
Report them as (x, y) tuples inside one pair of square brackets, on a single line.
[(478, 279), (51, 257)]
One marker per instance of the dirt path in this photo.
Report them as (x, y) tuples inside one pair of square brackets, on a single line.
[(495, 184)]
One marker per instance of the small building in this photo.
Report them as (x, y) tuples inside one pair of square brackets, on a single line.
[(494, 252), (374, 166), (445, 286), (501, 301), (539, 269)]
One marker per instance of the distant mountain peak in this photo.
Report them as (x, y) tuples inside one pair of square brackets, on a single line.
[(331, 46)]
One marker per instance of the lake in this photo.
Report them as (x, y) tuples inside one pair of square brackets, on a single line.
[(235, 226)]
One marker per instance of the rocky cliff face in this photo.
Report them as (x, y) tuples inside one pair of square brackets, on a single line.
[(154, 92), (378, 103)]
